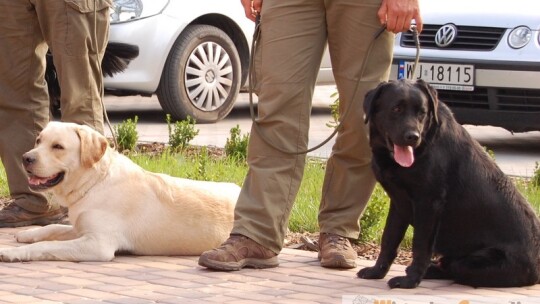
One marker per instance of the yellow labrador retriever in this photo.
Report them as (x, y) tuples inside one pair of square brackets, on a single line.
[(115, 205)]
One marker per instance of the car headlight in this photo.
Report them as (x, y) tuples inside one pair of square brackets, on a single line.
[(519, 37), (129, 10)]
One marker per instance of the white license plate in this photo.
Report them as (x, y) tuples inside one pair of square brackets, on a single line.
[(457, 77)]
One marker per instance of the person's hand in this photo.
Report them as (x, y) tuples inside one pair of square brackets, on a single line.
[(252, 8), (398, 14)]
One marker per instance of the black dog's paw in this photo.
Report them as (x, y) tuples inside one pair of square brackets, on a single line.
[(403, 282), (371, 273), (435, 272)]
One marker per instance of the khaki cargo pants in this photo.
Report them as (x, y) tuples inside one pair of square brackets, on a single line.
[(293, 38), (77, 36)]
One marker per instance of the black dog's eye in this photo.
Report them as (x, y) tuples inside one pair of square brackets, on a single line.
[(397, 109), (58, 147)]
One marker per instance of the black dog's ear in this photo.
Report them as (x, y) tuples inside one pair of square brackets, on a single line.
[(432, 97), (371, 96)]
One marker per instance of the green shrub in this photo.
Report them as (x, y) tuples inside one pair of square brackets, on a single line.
[(532, 192), (374, 216), (373, 219), (236, 145), (126, 134), (202, 160), (4, 190), (536, 175), (184, 131), (305, 210), (490, 152), (334, 111)]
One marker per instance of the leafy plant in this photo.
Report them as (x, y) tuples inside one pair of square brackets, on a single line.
[(4, 190), (334, 111), (201, 165), (536, 176), (490, 152), (184, 131), (374, 216), (236, 145), (126, 134), (305, 210)]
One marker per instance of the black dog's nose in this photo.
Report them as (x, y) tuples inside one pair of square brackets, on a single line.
[(28, 160), (412, 137)]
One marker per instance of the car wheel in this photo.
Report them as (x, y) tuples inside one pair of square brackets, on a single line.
[(202, 75)]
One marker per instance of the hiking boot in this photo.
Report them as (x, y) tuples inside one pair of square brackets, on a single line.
[(238, 252), (336, 251), (14, 216)]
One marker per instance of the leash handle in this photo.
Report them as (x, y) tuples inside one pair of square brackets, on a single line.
[(257, 19)]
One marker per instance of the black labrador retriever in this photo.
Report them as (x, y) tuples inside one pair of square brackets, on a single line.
[(463, 208)]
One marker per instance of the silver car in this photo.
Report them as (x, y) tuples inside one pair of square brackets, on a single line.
[(483, 56), (194, 55)]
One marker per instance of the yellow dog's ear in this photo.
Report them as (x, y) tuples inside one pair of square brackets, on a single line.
[(93, 146)]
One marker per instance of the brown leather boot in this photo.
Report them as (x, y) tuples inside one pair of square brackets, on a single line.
[(238, 252), (14, 216), (336, 251)]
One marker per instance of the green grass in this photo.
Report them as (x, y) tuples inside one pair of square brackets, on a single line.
[(303, 217), (200, 167), (306, 207), (531, 191), (4, 190)]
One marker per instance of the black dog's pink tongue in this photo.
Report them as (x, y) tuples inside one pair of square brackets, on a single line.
[(403, 155)]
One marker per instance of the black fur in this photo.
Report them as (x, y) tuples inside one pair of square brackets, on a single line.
[(462, 206), (116, 59)]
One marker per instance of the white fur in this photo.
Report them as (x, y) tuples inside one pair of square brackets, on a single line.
[(116, 205)]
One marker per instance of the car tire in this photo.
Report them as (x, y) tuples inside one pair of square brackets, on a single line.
[(202, 75)]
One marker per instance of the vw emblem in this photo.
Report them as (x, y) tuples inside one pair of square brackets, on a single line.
[(446, 35)]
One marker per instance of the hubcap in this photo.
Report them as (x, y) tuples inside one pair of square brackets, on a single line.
[(209, 76)]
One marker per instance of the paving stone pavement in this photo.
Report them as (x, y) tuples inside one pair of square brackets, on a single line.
[(162, 279)]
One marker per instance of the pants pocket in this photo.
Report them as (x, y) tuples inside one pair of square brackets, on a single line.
[(87, 28), (87, 6)]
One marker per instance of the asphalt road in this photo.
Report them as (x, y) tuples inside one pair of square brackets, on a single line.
[(516, 154)]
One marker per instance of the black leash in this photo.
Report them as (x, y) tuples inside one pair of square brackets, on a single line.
[(254, 46), (416, 38)]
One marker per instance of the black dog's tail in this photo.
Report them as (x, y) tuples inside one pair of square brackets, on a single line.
[(115, 60), (117, 57)]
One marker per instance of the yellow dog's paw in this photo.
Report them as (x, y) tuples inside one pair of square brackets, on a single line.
[(8, 255), (26, 236)]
